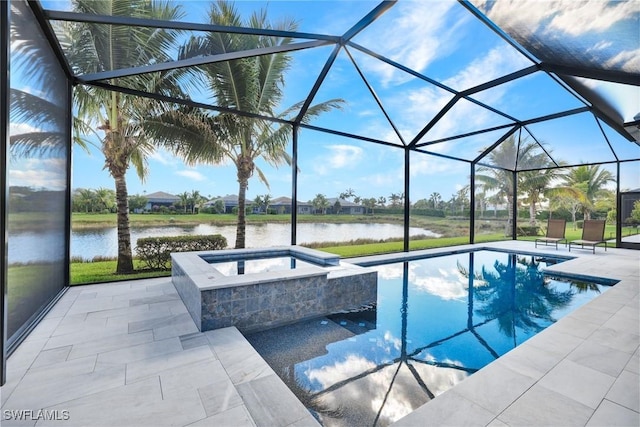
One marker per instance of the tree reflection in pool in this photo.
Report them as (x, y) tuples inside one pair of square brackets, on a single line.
[(436, 321)]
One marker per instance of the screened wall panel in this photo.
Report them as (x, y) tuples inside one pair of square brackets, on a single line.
[(361, 190), (490, 214), (440, 199), (630, 204), (37, 173)]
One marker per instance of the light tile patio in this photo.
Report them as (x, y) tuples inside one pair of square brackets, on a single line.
[(127, 354)]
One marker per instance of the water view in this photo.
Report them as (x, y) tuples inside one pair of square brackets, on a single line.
[(89, 243)]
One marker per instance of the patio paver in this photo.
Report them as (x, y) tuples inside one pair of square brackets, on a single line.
[(126, 354)]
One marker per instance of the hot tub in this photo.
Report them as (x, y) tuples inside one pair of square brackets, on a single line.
[(219, 289)]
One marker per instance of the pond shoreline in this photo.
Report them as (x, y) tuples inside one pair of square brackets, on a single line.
[(87, 221)]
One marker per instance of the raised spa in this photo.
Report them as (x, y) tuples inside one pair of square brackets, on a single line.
[(255, 289)]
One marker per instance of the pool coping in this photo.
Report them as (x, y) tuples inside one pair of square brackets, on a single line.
[(206, 277)]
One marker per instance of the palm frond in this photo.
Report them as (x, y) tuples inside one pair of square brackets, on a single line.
[(263, 178), (189, 133), (37, 144)]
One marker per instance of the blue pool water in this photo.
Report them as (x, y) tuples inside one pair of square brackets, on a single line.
[(436, 321), (259, 265)]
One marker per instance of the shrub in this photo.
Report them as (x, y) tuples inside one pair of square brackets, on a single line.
[(439, 213), (155, 252), (579, 224), (528, 230)]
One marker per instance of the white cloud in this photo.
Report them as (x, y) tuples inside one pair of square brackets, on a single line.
[(390, 271), (163, 157), (600, 46), (625, 60), (367, 113), (419, 33), (191, 174), (422, 165), (49, 174), (490, 65), (419, 105), (339, 156), (570, 17), (582, 17), (22, 128), (369, 394), (445, 289)]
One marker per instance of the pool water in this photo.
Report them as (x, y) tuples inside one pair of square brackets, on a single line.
[(436, 321), (259, 265)]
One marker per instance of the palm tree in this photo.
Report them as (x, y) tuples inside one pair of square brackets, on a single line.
[(85, 199), (500, 180), (105, 199), (534, 183), (252, 85), (184, 200), (97, 47), (320, 203), (396, 199), (589, 180), (194, 200), (370, 203), (462, 196), (266, 201), (337, 207), (347, 194), (481, 202), (257, 203), (435, 199)]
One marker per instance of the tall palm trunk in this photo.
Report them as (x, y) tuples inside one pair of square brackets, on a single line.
[(242, 220), (125, 258), (245, 170), (510, 209), (117, 153), (532, 213)]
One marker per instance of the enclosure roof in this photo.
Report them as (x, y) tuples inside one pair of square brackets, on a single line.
[(452, 79)]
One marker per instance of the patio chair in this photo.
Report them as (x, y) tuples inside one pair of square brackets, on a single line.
[(555, 233), (592, 234)]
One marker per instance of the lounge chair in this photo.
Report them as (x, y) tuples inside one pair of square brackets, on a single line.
[(592, 234), (555, 233)]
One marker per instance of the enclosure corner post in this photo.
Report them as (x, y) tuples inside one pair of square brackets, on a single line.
[(294, 184), (472, 203), (4, 138), (407, 202)]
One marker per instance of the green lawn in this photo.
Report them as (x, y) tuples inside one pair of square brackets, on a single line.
[(103, 271), (90, 220)]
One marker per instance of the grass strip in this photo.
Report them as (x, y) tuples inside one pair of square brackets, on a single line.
[(103, 271)]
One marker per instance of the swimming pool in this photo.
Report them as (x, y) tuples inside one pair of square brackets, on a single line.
[(436, 321), (259, 265)]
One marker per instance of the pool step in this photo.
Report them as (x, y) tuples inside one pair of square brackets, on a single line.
[(356, 326)]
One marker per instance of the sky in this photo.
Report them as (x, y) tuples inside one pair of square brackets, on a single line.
[(439, 39)]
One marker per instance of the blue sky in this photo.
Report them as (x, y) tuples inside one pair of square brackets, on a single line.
[(439, 39)]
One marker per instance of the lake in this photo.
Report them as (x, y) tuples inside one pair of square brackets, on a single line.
[(88, 243)]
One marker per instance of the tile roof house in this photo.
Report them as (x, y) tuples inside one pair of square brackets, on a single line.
[(160, 198)]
